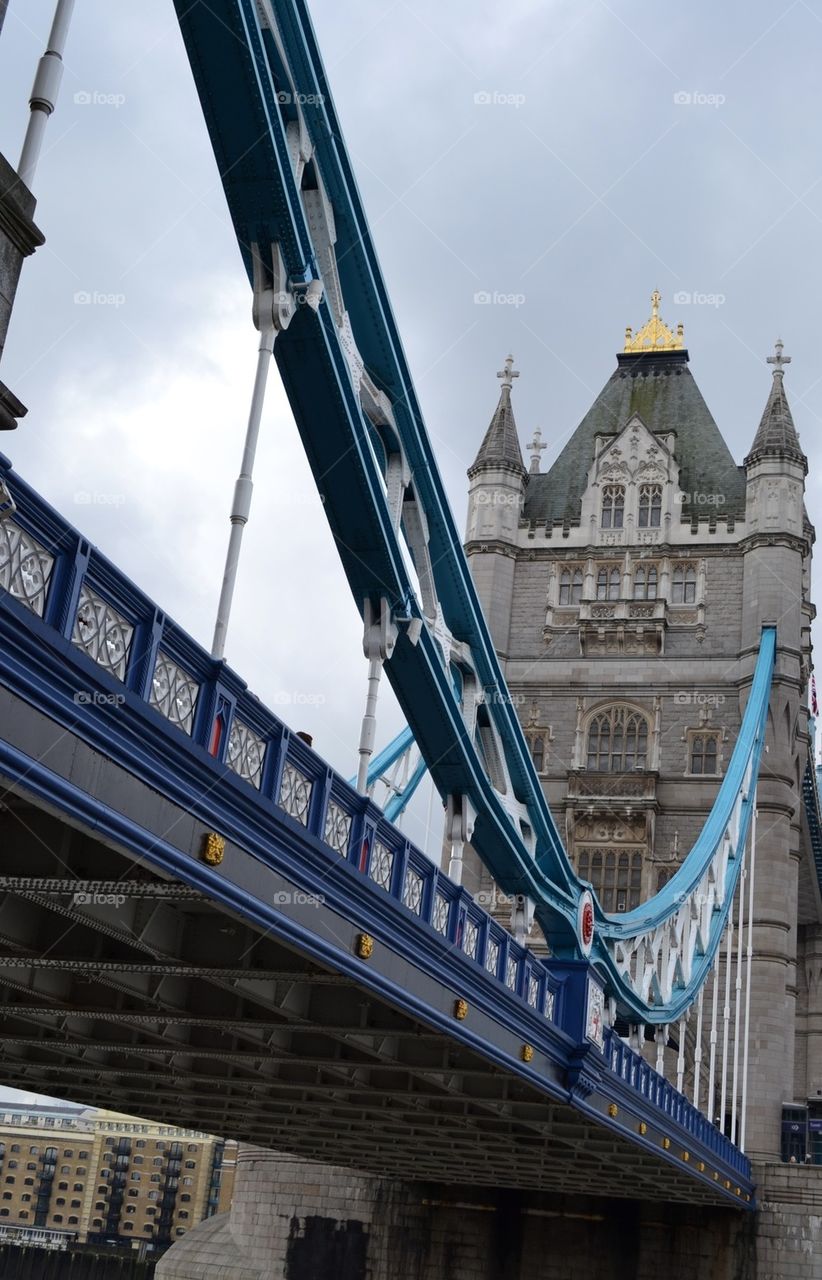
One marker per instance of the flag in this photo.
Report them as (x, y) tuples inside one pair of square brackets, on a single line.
[(814, 703)]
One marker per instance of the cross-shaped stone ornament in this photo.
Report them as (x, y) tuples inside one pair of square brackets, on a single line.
[(778, 360), (535, 448), (508, 372)]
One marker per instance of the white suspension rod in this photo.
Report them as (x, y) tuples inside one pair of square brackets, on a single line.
[(749, 962), (44, 91), (698, 1048), (680, 1061), (740, 938), (712, 1064), (726, 1013), (368, 731), (243, 489)]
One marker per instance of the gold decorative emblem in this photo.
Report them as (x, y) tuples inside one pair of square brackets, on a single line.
[(213, 848), (727, 1184), (686, 1155), (701, 1166), (613, 1110), (666, 1142), (642, 1127), (365, 946), (527, 1053), (716, 1176), (655, 335), (460, 1010)]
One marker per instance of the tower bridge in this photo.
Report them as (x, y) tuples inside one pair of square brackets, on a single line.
[(201, 922)]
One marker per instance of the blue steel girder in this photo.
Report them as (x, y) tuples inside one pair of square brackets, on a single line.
[(336, 435), (295, 189)]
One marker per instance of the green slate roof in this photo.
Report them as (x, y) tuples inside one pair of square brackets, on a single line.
[(500, 445), (660, 389), (776, 435)]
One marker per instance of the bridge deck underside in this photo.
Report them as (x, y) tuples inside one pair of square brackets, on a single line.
[(125, 989)]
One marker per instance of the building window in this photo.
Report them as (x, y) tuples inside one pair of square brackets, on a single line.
[(131, 1208), (645, 582), (58, 1217), (183, 1213), (142, 1142), (76, 1204), (60, 1200), (134, 1191), (613, 506), (608, 583), (97, 1223), (128, 1226), (616, 877), (192, 1146), (28, 1182), (135, 1177), (662, 878), (65, 1168), (704, 756), (82, 1155), (184, 1199), (26, 1199), (31, 1166), (10, 1181), (617, 741), (15, 1146), (33, 1151), (536, 742), (68, 1155), (100, 1205), (7, 1195), (650, 506), (78, 1186), (570, 592), (683, 584), (73, 1221)]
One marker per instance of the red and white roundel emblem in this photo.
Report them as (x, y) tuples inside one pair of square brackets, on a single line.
[(586, 921)]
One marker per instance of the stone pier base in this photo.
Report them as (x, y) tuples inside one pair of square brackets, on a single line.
[(293, 1220)]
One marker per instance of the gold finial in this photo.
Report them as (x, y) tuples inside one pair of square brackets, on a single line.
[(655, 335)]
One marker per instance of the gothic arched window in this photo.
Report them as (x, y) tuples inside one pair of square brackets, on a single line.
[(570, 586), (704, 753), (608, 583), (650, 506), (617, 741), (616, 876), (645, 582), (683, 584), (537, 745), (613, 506)]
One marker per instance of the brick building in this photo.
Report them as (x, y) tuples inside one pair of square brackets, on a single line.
[(105, 1178)]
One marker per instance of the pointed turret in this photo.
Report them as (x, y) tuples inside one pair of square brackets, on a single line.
[(776, 435), (500, 444), (495, 496)]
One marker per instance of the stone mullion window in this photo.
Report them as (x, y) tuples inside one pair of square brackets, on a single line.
[(615, 875), (613, 507), (704, 753)]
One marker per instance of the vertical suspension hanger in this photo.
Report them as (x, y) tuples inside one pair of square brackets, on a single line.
[(45, 91)]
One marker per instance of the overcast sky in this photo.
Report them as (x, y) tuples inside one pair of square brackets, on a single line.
[(567, 157)]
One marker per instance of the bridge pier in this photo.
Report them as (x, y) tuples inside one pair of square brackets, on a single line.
[(295, 1220)]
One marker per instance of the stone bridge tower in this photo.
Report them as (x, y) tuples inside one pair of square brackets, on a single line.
[(627, 606)]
